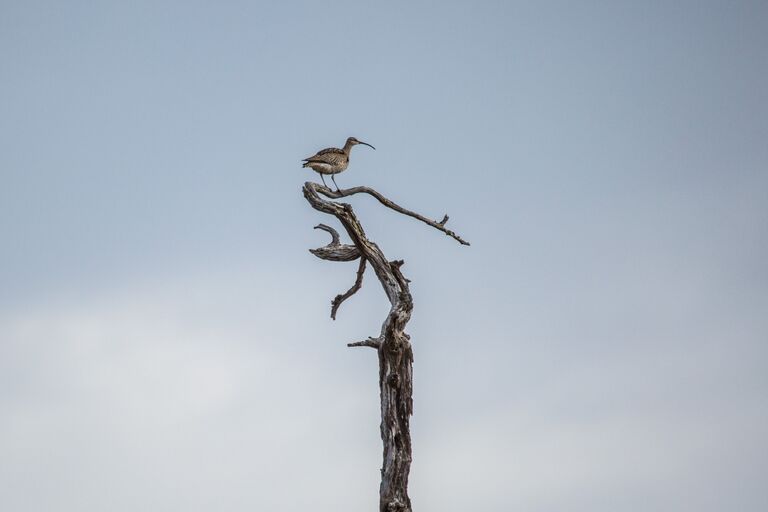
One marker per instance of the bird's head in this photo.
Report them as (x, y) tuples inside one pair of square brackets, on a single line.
[(354, 142)]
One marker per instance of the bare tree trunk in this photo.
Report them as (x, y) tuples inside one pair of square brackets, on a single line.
[(392, 344)]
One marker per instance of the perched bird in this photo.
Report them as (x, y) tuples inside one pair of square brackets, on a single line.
[(332, 160)]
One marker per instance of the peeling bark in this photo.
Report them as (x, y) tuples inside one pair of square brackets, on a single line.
[(393, 345)]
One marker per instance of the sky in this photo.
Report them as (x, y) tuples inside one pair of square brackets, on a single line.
[(165, 339)]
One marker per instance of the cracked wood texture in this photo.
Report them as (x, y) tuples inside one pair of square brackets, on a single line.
[(393, 345)]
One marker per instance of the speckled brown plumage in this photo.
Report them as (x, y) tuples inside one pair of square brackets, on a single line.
[(332, 160)]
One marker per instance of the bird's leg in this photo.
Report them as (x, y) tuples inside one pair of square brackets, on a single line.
[(334, 182), (323, 178)]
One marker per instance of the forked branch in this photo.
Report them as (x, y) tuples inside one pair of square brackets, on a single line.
[(335, 251)]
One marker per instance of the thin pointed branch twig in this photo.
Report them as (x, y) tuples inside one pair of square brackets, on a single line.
[(334, 234), (390, 204), (342, 297)]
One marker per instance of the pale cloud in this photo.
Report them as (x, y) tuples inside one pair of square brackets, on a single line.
[(124, 399), (198, 393)]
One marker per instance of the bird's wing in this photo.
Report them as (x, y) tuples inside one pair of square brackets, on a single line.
[(327, 155), (331, 151)]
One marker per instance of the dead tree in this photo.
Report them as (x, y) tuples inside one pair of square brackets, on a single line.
[(392, 344)]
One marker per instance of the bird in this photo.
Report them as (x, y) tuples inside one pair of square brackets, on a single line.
[(332, 160)]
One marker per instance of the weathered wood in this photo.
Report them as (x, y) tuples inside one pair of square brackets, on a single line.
[(342, 297), (393, 345), (389, 204), (335, 251)]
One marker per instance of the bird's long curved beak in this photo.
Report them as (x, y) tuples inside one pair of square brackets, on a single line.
[(361, 142)]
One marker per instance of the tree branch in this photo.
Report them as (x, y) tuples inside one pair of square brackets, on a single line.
[(342, 297), (335, 251), (335, 240), (370, 342), (389, 204)]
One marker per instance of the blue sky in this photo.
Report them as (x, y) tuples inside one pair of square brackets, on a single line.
[(164, 333)]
